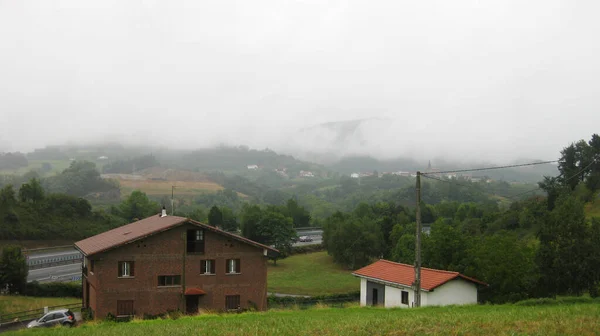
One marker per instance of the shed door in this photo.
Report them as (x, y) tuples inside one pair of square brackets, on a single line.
[(375, 296)]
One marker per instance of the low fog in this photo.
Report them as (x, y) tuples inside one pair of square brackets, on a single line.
[(478, 80)]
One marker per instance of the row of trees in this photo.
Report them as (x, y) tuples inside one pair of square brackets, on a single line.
[(32, 213)]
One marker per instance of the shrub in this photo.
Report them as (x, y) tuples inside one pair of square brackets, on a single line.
[(307, 249), (54, 289), (557, 301)]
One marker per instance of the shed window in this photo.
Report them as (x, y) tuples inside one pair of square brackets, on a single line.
[(405, 297)]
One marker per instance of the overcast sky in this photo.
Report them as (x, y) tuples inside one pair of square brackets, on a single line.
[(492, 80)]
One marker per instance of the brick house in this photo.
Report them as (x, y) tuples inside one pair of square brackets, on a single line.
[(164, 263)]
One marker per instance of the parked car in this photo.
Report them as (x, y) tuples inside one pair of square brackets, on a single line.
[(62, 317), (305, 239)]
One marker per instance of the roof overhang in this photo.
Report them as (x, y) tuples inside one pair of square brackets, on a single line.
[(388, 283), (194, 291)]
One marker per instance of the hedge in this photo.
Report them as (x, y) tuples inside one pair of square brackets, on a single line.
[(290, 300), (557, 301), (307, 249), (54, 289)]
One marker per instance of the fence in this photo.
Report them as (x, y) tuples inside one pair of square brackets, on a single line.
[(28, 315)]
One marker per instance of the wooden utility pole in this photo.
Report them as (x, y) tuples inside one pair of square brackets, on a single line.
[(183, 272), (172, 201), (417, 284)]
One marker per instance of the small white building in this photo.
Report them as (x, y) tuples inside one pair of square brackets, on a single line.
[(354, 175), (389, 284), (252, 167)]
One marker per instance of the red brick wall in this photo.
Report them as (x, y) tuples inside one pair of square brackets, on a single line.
[(162, 254)]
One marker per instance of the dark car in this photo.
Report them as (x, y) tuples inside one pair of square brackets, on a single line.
[(62, 317)]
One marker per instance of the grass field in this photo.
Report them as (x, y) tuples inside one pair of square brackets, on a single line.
[(576, 319), (152, 187), (310, 274), (13, 303)]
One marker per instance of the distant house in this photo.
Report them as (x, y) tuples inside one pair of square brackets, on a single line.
[(252, 167), (305, 173), (354, 175), (103, 157), (166, 263), (389, 284)]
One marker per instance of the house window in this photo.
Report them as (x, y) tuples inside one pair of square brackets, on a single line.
[(232, 302), (195, 241), (233, 266), (405, 297), (124, 307), (92, 262), (169, 280), (125, 269), (207, 267)]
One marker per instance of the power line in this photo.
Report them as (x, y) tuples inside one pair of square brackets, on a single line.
[(567, 180), (490, 168), (516, 195)]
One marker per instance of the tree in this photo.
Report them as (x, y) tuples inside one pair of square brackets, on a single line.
[(230, 222), (352, 241), (251, 215), (7, 197), (13, 269), (31, 192), (564, 249), (278, 231), (299, 215), (507, 264), (215, 217), (137, 206)]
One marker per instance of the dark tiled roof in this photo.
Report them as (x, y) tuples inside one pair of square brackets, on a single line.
[(146, 227), (405, 274)]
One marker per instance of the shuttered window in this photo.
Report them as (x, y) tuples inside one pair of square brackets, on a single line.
[(207, 266), (124, 307), (233, 266), (232, 302), (126, 269)]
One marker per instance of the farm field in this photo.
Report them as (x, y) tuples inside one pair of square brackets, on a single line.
[(153, 187), (574, 319), (310, 274)]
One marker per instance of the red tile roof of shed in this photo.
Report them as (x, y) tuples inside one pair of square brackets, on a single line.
[(405, 274), (146, 227)]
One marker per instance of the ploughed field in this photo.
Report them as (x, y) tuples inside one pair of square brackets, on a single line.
[(567, 319)]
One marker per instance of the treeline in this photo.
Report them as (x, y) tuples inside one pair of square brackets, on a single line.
[(12, 161), (31, 213), (539, 247), (131, 165)]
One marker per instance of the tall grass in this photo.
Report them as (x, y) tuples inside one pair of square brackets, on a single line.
[(573, 319)]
